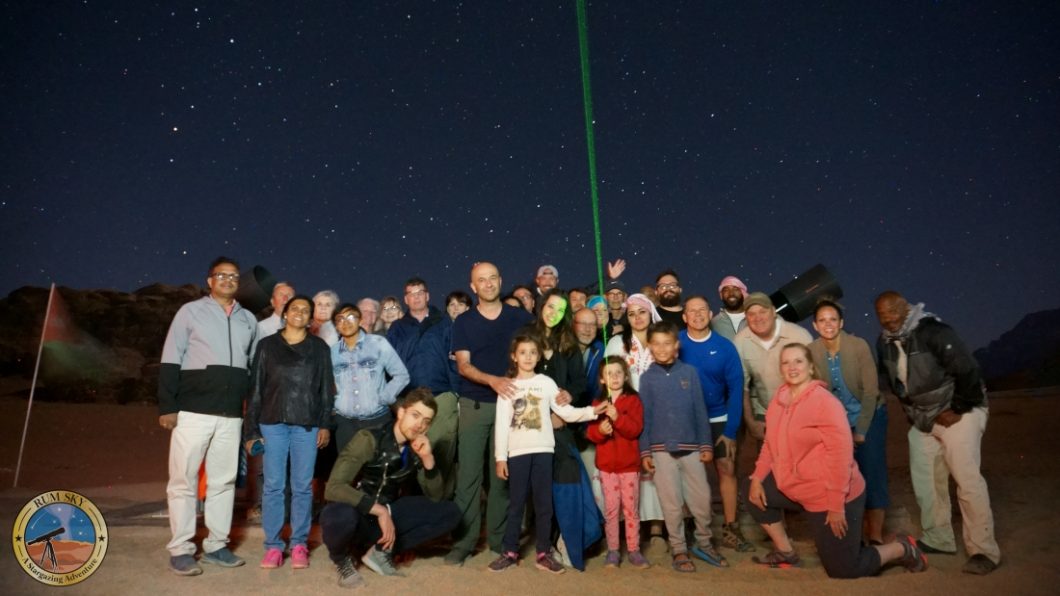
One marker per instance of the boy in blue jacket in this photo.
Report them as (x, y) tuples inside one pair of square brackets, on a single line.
[(675, 444)]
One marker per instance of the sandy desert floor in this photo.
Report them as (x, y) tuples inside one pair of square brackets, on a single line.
[(116, 456)]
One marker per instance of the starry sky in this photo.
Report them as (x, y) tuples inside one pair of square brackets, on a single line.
[(349, 145)]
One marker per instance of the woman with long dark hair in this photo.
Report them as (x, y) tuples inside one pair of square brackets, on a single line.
[(289, 410)]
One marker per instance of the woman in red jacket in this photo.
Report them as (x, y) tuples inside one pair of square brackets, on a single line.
[(807, 465), (618, 458)]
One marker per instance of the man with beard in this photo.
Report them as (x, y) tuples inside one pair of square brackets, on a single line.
[(731, 319), (592, 350), (936, 379), (480, 343), (668, 293)]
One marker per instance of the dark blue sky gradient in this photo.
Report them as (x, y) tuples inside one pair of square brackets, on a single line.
[(349, 145)]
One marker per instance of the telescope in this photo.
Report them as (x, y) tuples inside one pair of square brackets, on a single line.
[(255, 289), (47, 536), (796, 299)]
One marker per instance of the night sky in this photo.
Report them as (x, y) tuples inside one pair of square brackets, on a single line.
[(349, 145)]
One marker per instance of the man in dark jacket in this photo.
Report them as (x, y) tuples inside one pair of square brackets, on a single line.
[(421, 338), (201, 384), (366, 505), (937, 381)]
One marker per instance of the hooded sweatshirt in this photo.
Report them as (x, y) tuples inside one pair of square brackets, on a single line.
[(809, 449)]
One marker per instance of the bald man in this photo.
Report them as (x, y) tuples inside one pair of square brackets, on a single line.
[(480, 343), (926, 366)]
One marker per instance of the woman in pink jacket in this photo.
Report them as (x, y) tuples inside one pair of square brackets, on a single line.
[(807, 465)]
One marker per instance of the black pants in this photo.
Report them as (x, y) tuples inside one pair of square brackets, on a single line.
[(530, 473), (841, 557), (416, 520)]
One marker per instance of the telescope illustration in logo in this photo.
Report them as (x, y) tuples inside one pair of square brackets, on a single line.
[(49, 551)]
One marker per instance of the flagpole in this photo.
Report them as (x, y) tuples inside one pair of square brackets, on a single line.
[(33, 387)]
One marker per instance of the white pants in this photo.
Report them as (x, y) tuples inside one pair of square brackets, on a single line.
[(215, 438), (933, 457)]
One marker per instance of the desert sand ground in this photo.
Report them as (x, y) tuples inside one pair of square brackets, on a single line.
[(116, 456)]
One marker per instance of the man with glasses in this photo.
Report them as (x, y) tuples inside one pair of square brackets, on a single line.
[(202, 381), (668, 291), (421, 338), (362, 362)]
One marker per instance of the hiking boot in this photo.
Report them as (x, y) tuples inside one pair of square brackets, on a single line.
[(545, 562), (300, 557), (979, 565), (732, 537), (637, 560), (348, 576), (779, 560), (273, 559), (380, 561), (708, 553), (613, 559), (223, 558), (504, 562), (184, 565), (914, 560)]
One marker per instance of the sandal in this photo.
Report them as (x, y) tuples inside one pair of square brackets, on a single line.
[(779, 560), (683, 564)]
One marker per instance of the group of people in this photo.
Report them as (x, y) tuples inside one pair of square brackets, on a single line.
[(602, 409)]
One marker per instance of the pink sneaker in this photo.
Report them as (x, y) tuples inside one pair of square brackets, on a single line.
[(273, 558), (300, 557)]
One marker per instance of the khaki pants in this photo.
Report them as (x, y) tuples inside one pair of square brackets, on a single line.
[(955, 451)]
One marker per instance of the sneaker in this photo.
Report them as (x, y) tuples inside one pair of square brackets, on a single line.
[(914, 560), (348, 576), (223, 558), (504, 562), (184, 565), (545, 562), (638, 560), (779, 560), (273, 559), (732, 537), (300, 557), (979, 565), (380, 561), (613, 559), (708, 553), (456, 558)]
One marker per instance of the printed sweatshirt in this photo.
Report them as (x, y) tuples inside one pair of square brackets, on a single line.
[(523, 424)]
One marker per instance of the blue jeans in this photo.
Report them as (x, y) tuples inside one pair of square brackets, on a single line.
[(300, 444)]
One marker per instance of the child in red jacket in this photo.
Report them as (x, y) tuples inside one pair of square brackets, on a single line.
[(618, 458)]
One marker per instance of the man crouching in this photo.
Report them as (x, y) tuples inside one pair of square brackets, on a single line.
[(365, 506)]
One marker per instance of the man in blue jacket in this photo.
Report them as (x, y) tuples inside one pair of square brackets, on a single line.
[(202, 381), (421, 338)]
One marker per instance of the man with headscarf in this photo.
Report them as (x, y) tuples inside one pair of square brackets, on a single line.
[(730, 319)]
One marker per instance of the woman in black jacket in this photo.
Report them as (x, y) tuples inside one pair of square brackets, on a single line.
[(289, 410)]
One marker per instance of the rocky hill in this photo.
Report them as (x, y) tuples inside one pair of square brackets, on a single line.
[(1026, 356), (115, 351)]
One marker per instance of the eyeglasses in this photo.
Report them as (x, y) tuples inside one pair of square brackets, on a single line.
[(221, 276), (391, 308), (350, 318), (667, 286)]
